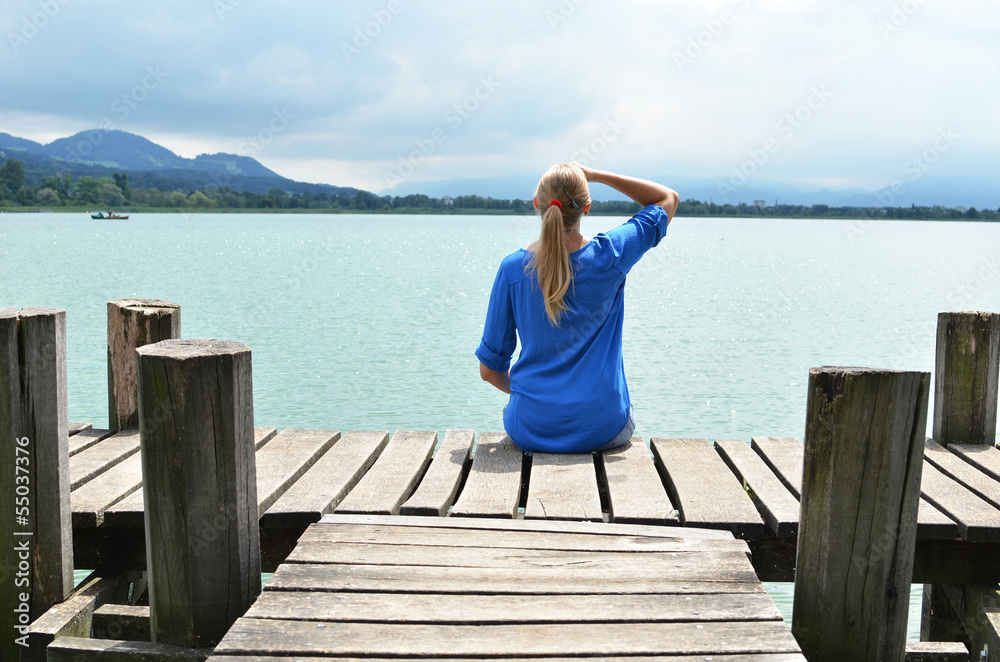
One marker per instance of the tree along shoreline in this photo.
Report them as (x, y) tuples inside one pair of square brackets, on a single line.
[(69, 194)]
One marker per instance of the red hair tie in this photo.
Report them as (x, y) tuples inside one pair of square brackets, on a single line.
[(556, 203)]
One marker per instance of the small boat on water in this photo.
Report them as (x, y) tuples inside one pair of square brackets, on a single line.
[(110, 215)]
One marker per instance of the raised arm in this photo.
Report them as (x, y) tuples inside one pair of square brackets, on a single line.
[(642, 191)]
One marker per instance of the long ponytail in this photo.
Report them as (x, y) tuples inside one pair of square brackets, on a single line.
[(551, 263)]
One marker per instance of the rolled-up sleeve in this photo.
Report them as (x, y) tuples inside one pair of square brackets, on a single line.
[(499, 334), (642, 232)]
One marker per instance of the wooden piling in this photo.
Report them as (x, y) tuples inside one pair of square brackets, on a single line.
[(857, 525), (133, 323), (35, 524), (967, 361), (199, 482)]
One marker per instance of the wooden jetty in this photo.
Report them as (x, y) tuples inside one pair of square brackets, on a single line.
[(403, 544)]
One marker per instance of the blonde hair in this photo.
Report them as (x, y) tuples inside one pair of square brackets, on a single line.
[(550, 262)]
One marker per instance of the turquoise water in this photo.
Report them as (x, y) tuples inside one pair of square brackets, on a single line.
[(370, 322)]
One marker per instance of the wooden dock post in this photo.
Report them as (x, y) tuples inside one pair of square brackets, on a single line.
[(967, 363), (133, 323), (199, 482), (864, 442), (35, 524)]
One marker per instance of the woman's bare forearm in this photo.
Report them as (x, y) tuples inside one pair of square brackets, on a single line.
[(501, 380), (643, 191)]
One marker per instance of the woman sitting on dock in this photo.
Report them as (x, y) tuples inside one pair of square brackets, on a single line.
[(563, 295)]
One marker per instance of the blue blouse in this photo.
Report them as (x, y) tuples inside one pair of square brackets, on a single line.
[(568, 390)]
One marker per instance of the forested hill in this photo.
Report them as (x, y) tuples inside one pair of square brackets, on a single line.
[(102, 153)]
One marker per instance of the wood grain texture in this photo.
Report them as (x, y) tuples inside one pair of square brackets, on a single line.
[(690, 579), (77, 427), (967, 366), (263, 435), (860, 489), (84, 439), (440, 484), (79, 649), (133, 323), (259, 636), (486, 609), (493, 487), (635, 492), (984, 458), (327, 482), (783, 455), (952, 465), (92, 462), (775, 503), (936, 651), (92, 499), (550, 526), (287, 457), (126, 622), (392, 478), (200, 488), (748, 657), (563, 487), (978, 520), (525, 538), (71, 618), (705, 490)]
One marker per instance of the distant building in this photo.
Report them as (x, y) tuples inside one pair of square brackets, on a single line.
[(448, 200), (761, 204)]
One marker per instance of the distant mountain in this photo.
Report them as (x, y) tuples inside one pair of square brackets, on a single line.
[(100, 153)]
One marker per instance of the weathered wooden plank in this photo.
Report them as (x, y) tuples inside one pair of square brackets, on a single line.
[(258, 636), (982, 617), (778, 507), (90, 501), (79, 649), (936, 651), (92, 462), (127, 622), (563, 487), (665, 563), (515, 539), (705, 490), (85, 439), (262, 435), (689, 579), (328, 481), (748, 657), (285, 458), (75, 427), (133, 323), (440, 484), (393, 476), (552, 526), (854, 559), (200, 487), (635, 492), (485, 609), (978, 521), (493, 487), (783, 455), (129, 511), (955, 467), (983, 457)]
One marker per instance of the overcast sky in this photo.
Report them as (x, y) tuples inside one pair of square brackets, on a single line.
[(839, 93)]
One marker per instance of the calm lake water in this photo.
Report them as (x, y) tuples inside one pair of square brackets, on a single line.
[(371, 322)]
